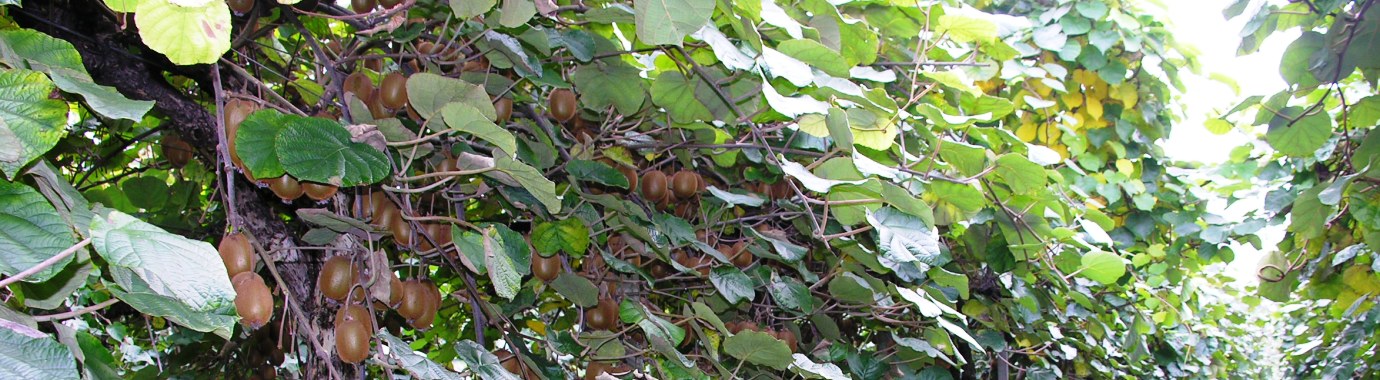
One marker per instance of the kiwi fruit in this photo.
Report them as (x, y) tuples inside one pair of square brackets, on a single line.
[(176, 150), (395, 290), (351, 340), (629, 173), (360, 85), (509, 361), (546, 268), (414, 299), (319, 191), (393, 90), (504, 108), (362, 6), (602, 317), (336, 278), (480, 64), (253, 300), (653, 186), (355, 312), (389, 4), (789, 337), (236, 253), (595, 369), (286, 187), (561, 103), (738, 254), (241, 6), (401, 229), (685, 184), (431, 304), (236, 110)]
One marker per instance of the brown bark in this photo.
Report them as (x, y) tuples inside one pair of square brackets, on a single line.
[(109, 54)]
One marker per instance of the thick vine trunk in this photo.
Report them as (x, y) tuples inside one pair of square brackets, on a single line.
[(106, 50)]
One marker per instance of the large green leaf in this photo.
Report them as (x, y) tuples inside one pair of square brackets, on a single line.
[(30, 232), (1021, 175), (502, 271), (26, 353), (789, 293), (908, 245), (1307, 133), (163, 274), (576, 288), (817, 55), (1298, 57), (415, 363), (676, 93), (570, 235), (466, 118), (610, 84), (256, 142), (1102, 266), (733, 284), (667, 22), (466, 9), (758, 348), (597, 172), (62, 63), (429, 93), (30, 123), (964, 28), (321, 150), (531, 180), (187, 35)]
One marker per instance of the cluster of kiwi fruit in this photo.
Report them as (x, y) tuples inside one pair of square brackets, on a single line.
[(779, 190), (385, 214), (343, 281), (285, 187), (263, 354), (253, 300), (784, 335)]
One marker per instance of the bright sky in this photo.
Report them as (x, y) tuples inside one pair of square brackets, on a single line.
[(1199, 23)]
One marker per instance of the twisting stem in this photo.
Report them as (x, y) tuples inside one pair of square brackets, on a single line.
[(45, 264), (76, 313)]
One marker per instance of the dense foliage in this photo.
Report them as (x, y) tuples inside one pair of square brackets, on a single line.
[(665, 188)]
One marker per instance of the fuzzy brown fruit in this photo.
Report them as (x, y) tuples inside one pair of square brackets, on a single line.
[(504, 108), (685, 184), (241, 6), (360, 85), (355, 312), (336, 278), (253, 300), (177, 151), (562, 104), (286, 188), (401, 229), (393, 90), (362, 6), (546, 268), (431, 304), (653, 186), (414, 299), (389, 4), (236, 110), (738, 254), (602, 317), (509, 361), (352, 340), (236, 253), (319, 191)]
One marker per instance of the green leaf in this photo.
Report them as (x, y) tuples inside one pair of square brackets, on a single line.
[(736, 198), (122, 6), (482, 362), (817, 55), (146, 192), (165, 275), (1021, 175), (321, 150), (908, 245), (576, 288), (595, 171), (531, 180), (1051, 37), (256, 142), (789, 293), (30, 232), (1218, 126), (415, 363), (872, 130), (331, 220), (62, 63), (53, 293), (814, 182), (1309, 216), (807, 368), (428, 93), (848, 287), (30, 123), (944, 277), (1102, 266), (186, 35), (570, 235), (26, 353), (466, 118), (515, 13), (610, 84), (505, 50), (1304, 137), (966, 29), (1298, 58), (676, 93), (466, 9), (758, 348), (502, 272), (667, 22), (733, 284), (1275, 284)]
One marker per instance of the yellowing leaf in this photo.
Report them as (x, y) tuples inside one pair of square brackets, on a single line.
[(186, 35), (813, 125)]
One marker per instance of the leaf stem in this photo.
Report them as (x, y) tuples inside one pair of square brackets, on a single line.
[(45, 264)]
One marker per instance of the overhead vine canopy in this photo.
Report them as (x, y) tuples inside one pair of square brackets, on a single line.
[(672, 189)]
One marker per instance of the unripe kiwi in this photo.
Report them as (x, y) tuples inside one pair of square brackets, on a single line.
[(685, 184), (653, 186), (355, 312), (352, 339), (319, 191), (504, 108), (177, 151), (286, 187), (562, 104), (241, 6), (546, 268), (336, 278), (236, 253), (253, 300), (602, 317), (362, 6)]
